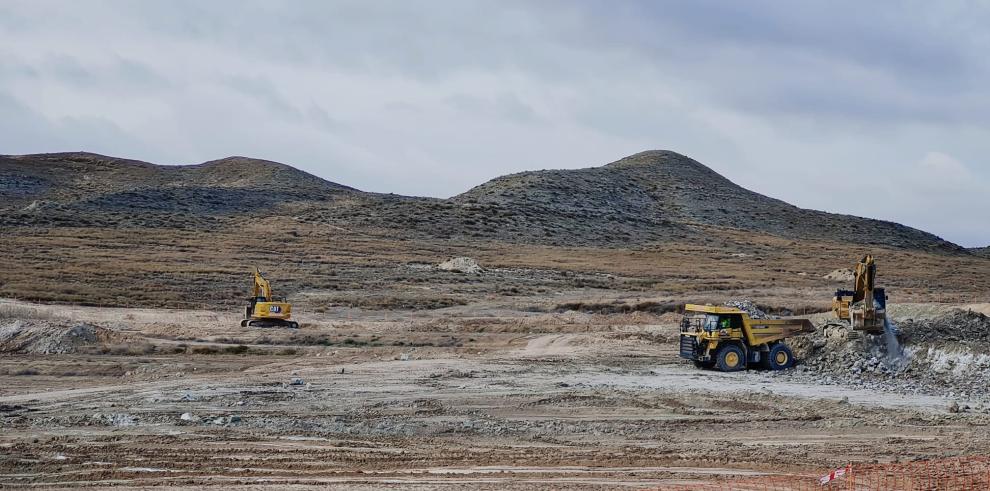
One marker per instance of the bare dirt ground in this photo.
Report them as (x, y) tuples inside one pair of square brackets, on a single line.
[(483, 395)]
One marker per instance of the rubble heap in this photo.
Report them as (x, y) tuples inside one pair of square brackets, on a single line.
[(750, 308), (959, 326), (48, 337), (461, 265), (947, 356)]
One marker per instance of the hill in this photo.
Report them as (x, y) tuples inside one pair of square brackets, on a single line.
[(70, 189), (86, 228), (655, 196), (661, 191)]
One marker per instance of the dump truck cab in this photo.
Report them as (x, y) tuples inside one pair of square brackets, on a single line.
[(726, 338)]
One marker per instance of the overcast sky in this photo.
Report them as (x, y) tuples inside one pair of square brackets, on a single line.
[(878, 109)]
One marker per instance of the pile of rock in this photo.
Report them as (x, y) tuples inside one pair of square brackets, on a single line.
[(750, 308), (45, 337), (959, 326), (461, 265), (843, 275), (947, 356)]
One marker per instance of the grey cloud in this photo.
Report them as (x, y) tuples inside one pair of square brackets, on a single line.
[(807, 57), (116, 74), (14, 69), (265, 92), (22, 130), (502, 105), (321, 118)]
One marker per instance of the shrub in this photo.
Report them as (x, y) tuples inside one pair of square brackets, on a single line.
[(235, 350), (205, 350)]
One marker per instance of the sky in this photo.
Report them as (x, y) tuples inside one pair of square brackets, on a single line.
[(878, 109)]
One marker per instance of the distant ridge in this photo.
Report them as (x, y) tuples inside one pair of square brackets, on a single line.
[(652, 196)]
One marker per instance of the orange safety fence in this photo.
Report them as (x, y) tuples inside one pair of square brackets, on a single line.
[(953, 474)]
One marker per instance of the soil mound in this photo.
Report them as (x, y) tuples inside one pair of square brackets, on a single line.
[(48, 338)]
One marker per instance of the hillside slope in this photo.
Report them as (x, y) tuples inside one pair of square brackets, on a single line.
[(655, 196), (89, 189), (662, 187)]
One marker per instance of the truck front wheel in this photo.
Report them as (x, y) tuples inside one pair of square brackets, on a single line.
[(730, 358)]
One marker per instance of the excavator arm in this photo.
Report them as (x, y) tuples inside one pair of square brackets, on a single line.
[(262, 288), (866, 273)]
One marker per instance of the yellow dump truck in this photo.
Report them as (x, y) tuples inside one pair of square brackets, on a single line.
[(726, 338)]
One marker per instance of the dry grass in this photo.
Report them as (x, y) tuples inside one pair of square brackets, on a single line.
[(157, 267), (10, 311)]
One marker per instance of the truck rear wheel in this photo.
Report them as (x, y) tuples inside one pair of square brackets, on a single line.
[(730, 358), (780, 357)]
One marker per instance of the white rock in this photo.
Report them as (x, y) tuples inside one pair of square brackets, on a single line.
[(461, 265)]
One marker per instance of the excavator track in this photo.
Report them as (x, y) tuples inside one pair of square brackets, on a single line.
[(270, 323)]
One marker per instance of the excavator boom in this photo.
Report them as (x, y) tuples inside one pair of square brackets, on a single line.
[(866, 272), (262, 288)]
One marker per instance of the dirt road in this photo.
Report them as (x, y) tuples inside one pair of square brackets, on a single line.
[(597, 402)]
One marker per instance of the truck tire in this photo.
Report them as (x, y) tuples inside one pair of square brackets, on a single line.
[(780, 357), (730, 358)]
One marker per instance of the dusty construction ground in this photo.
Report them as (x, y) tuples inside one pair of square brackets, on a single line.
[(482, 395)]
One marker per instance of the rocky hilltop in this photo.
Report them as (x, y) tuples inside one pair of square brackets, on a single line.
[(655, 196), (72, 189), (666, 189)]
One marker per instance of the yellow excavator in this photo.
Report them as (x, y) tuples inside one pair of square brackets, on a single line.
[(265, 310), (864, 308)]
